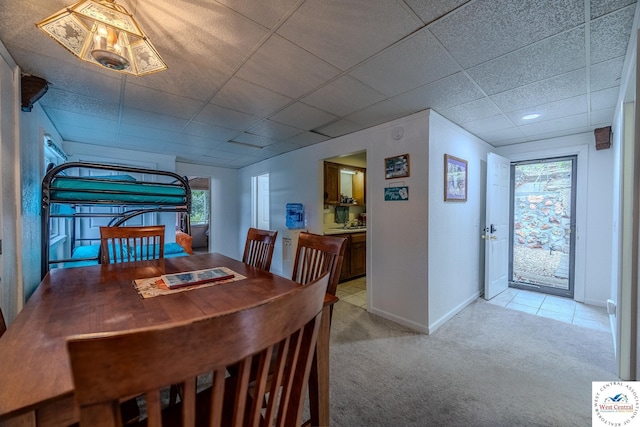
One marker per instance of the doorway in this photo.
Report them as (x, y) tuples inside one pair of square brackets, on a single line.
[(542, 250), (200, 213), (260, 202)]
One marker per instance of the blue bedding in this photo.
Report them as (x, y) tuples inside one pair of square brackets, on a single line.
[(116, 188), (88, 254)]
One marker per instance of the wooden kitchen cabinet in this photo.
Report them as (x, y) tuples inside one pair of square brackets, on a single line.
[(358, 255), (331, 183), (334, 180), (345, 273), (355, 256)]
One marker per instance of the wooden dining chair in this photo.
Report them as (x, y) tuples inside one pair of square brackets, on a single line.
[(258, 249), (110, 366), (127, 244), (317, 255), (3, 325)]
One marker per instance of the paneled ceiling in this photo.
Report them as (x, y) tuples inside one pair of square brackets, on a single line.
[(248, 80)]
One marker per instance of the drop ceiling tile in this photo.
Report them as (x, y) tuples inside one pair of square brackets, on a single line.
[(226, 118), (307, 138), (197, 142), (343, 96), (471, 111), (144, 98), (430, 10), (207, 34), (241, 95), (69, 101), (281, 147), (62, 73), (339, 128), (267, 13), (381, 112), (602, 7), (416, 61), (242, 149), (605, 98), (552, 56), (488, 124), (482, 30), (154, 120), (337, 31), (88, 135), (95, 123), (441, 94), (255, 140), (185, 79), (602, 117), (274, 130), (579, 121), (302, 116), (510, 135), (146, 132), (606, 74), (610, 34), (552, 110), (208, 131), (555, 88), (278, 59)]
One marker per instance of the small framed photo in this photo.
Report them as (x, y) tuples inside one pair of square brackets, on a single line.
[(455, 179), (396, 167)]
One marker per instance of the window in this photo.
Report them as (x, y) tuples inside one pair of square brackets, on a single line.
[(200, 207), (55, 156)]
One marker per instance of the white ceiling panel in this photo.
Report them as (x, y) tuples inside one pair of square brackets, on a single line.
[(514, 69), (335, 31), (241, 95), (414, 62), (440, 95), (285, 74), (273, 65), (343, 96), (482, 30), (303, 116)]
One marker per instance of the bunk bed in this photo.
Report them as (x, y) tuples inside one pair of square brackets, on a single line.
[(85, 193)]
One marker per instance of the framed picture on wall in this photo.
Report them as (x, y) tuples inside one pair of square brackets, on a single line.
[(396, 167), (455, 179)]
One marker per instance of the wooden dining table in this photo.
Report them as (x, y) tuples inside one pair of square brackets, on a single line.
[(36, 387)]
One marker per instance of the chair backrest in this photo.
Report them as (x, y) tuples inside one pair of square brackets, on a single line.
[(3, 325), (316, 255), (127, 244), (258, 250), (109, 366)]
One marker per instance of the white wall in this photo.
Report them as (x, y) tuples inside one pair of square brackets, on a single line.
[(594, 212), (397, 238), (456, 250), (223, 222), (11, 295)]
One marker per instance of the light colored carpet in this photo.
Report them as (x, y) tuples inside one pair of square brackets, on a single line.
[(488, 366)]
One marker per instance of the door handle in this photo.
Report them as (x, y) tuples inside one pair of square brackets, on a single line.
[(489, 237)]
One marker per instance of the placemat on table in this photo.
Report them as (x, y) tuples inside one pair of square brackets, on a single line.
[(154, 286)]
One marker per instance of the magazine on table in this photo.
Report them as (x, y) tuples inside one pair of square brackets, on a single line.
[(190, 278)]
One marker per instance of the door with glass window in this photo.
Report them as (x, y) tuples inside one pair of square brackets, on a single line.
[(542, 248)]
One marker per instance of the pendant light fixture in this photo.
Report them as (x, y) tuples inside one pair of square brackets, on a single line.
[(104, 33)]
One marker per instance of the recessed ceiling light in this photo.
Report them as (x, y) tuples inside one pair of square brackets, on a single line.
[(531, 116)]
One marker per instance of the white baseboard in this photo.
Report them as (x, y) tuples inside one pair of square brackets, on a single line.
[(400, 320), (448, 316)]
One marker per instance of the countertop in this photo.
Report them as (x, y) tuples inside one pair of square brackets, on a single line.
[(341, 230)]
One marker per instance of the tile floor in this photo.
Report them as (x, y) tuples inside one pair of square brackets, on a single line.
[(354, 292), (558, 308), (553, 307)]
